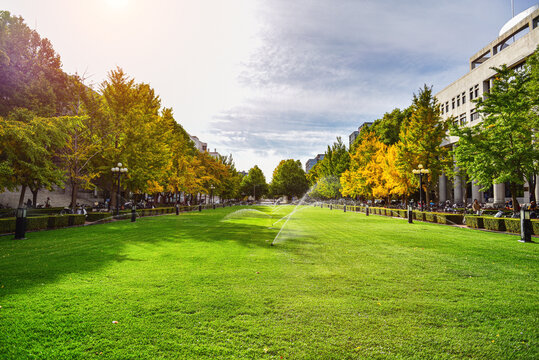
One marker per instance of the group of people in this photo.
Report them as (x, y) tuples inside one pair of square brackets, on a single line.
[(30, 204)]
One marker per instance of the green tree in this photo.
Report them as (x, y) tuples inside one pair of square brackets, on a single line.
[(254, 183), (30, 71), (28, 148), (421, 137), (501, 148), (289, 179)]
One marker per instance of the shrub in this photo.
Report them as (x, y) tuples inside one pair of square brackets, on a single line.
[(37, 222), (57, 221), (7, 225), (430, 217), (535, 227), (76, 220), (475, 222), (492, 223), (419, 215), (96, 216), (512, 225), (449, 219)]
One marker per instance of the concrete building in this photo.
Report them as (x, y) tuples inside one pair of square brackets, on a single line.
[(516, 41), (353, 136), (199, 145), (312, 162)]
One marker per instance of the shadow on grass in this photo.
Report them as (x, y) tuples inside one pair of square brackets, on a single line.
[(46, 256)]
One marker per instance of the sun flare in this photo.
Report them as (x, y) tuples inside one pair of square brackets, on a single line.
[(117, 3)]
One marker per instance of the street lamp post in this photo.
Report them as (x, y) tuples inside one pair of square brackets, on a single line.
[(211, 195), (118, 169), (420, 171)]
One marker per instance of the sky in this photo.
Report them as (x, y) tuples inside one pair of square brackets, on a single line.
[(266, 80)]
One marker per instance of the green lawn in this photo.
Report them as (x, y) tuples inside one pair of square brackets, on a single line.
[(335, 286)]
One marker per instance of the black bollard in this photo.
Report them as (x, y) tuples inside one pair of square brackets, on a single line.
[(525, 225), (199, 207), (133, 213), (344, 208), (177, 209), (330, 207), (410, 213), (213, 206), (367, 210), (20, 224)]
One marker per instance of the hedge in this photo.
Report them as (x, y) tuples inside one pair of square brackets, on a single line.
[(449, 219), (535, 227), (97, 216), (7, 225), (492, 223), (37, 223), (74, 220), (512, 225), (57, 221), (430, 217), (419, 215), (475, 222)]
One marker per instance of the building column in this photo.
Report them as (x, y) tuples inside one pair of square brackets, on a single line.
[(499, 194), (457, 189), (442, 181), (536, 188), (476, 194)]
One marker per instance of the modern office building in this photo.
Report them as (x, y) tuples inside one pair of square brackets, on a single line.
[(516, 41), (353, 136), (312, 162)]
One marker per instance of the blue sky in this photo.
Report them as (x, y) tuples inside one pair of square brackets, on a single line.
[(271, 80)]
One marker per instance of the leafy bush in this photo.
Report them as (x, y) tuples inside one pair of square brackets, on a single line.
[(76, 219), (57, 221), (419, 215), (475, 222), (430, 217), (492, 223), (96, 216), (535, 227), (37, 222), (7, 225), (512, 225), (449, 219)]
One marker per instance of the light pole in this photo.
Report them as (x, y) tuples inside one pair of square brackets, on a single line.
[(211, 193), (118, 169), (420, 171)]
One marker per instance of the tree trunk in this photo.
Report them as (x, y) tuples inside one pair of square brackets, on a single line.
[(74, 190), (21, 198), (513, 187), (532, 183), (427, 193)]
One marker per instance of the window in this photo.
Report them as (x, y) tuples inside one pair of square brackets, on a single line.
[(463, 119), (464, 98), (471, 93), (452, 103), (476, 90), (447, 106), (458, 100), (473, 115), (442, 109)]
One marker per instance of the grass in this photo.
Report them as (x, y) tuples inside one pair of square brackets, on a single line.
[(335, 286)]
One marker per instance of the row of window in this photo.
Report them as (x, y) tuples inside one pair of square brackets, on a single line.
[(460, 99), (462, 120)]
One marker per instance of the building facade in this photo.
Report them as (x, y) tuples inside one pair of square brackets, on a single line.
[(517, 40), (312, 162)]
